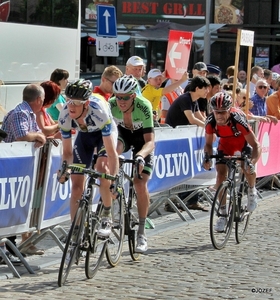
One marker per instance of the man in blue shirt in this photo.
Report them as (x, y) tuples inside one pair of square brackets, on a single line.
[(259, 99)]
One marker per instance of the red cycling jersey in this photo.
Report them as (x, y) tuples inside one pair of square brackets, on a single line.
[(232, 135)]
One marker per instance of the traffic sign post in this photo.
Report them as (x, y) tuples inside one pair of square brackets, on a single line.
[(107, 46), (178, 53), (106, 21)]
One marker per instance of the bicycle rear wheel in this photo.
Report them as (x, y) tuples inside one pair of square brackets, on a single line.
[(115, 242), (96, 250), (220, 238), (72, 251), (132, 225)]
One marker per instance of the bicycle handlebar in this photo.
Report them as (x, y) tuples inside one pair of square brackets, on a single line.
[(229, 157), (90, 172)]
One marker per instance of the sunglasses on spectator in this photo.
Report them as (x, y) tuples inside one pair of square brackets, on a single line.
[(110, 80), (125, 98), (75, 102), (262, 87)]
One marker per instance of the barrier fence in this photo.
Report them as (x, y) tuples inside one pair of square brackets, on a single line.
[(31, 199)]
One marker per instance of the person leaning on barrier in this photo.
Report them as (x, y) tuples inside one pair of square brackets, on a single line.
[(92, 118), (236, 136), (134, 117), (273, 101), (184, 110), (45, 122), (20, 125)]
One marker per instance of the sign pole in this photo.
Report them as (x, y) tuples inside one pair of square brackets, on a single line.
[(250, 50), (237, 52)]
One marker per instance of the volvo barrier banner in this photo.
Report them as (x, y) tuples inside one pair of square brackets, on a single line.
[(269, 162), (178, 158), (18, 162)]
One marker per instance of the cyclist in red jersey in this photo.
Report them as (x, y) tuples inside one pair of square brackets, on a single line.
[(235, 136)]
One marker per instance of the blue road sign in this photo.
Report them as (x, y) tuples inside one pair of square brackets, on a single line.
[(106, 21)]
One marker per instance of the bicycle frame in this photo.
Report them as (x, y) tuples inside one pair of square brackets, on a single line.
[(229, 197)]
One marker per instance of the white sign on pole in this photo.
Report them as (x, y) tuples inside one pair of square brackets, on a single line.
[(107, 46), (247, 38)]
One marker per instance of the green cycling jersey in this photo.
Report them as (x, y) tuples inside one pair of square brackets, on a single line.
[(142, 114)]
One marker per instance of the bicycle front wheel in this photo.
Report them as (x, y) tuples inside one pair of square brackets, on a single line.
[(72, 252), (115, 242), (223, 198), (241, 224), (96, 251), (132, 225)]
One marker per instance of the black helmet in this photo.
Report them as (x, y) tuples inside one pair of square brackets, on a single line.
[(221, 101), (80, 90)]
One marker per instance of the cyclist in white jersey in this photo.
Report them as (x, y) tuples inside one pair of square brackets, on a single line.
[(92, 118)]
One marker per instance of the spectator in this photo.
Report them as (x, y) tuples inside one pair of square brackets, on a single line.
[(214, 87), (256, 74), (259, 99), (242, 77), (167, 99), (273, 101), (45, 122), (268, 77), (184, 110), (135, 66), (199, 69), (20, 125), (276, 69), (273, 81), (230, 71), (214, 70), (108, 77), (153, 90), (241, 104), (60, 77)]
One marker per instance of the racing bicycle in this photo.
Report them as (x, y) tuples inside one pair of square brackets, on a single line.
[(231, 193), (82, 237), (126, 208)]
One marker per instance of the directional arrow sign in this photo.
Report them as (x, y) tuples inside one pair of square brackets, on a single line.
[(178, 53), (173, 54), (106, 21)]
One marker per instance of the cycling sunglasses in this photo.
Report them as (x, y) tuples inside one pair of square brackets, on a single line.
[(75, 102), (125, 98)]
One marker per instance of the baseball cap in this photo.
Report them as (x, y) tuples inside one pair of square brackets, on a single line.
[(135, 61), (275, 75), (200, 66), (213, 69), (154, 73)]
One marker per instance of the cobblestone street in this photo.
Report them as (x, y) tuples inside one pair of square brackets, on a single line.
[(181, 263)]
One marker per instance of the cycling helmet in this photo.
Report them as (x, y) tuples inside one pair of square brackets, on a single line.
[(80, 90), (126, 84), (221, 101)]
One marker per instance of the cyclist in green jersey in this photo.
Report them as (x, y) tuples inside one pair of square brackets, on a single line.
[(134, 117)]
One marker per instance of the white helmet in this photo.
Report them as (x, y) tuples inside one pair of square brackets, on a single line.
[(126, 84)]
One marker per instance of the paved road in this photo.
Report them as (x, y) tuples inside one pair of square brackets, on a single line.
[(180, 264)]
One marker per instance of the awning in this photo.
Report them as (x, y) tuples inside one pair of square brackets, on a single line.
[(121, 38), (160, 32)]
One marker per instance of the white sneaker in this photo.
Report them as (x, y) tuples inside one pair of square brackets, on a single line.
[(105, 227), (220, 225), (142, 245), (252, 197)]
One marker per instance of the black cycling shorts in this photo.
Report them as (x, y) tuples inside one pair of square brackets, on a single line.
[(85, 145), (134, 140)]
